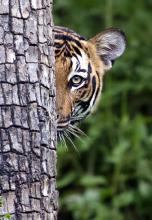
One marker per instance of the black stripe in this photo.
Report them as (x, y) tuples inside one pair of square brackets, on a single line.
[(85, 105), (93, 84), (81, 70), (89, 68), (60, 29), (96, 96), (67, 45), (67, 53), (65, 48), (58, 45), (59, 52), (77, 50), (67, 38), (76, 57)]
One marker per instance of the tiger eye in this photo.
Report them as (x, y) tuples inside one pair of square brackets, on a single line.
[(76, 79)]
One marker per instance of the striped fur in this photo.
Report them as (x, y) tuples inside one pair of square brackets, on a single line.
[(79, 74)]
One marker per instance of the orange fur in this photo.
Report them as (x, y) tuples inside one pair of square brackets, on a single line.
[(92, 59)]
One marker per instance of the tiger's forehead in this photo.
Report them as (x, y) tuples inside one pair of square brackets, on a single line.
[(63, 31), (68, 42), (74, 55), (79, 65)]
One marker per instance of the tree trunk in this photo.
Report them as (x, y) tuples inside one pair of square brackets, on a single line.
[(27, 111)]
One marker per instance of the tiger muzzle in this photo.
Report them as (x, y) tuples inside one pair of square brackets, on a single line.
[(62, 124)]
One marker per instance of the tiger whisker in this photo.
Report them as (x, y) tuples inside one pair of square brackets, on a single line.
[(76, 117), (78, 130), (73, 132), (64, 141), (70, 140), (59, 136)]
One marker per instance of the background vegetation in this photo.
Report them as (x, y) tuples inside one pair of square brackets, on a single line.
[(111, 176)]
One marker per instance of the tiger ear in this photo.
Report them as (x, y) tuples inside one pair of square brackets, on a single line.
[(110, 44)]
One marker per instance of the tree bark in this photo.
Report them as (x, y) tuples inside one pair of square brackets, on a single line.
[(27, 111)]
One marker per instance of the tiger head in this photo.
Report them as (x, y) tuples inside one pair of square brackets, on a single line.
[(80, 67)]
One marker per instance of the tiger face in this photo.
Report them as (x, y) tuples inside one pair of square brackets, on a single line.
[(80, 66)]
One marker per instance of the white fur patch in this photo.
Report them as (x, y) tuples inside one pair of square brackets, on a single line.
[(80, 63)]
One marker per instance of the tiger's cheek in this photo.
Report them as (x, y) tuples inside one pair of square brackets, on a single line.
[(81, 94)]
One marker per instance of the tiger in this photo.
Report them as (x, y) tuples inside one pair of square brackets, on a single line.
[(80, 65)]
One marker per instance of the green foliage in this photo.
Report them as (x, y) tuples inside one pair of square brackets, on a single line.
[(1, 201), (111, 177), (7, 216)]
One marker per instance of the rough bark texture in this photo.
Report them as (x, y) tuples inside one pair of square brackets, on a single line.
[(27, 111)]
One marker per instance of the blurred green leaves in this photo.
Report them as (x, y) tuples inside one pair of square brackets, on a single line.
[(111, 177), (6, 216)]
